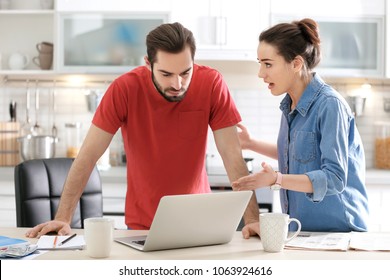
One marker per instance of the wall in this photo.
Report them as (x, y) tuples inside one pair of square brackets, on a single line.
[(259, 109)]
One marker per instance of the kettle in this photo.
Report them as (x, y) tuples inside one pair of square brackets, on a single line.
[(18, 61)]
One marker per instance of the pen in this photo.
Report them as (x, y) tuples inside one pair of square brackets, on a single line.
[(67, 239), (55, 241)]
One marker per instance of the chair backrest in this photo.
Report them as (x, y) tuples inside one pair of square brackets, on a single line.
[(38, 187)]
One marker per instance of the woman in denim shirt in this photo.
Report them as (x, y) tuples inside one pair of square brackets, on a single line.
[(319, 149)]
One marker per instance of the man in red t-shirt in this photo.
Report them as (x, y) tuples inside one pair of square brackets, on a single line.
[(164, 110)]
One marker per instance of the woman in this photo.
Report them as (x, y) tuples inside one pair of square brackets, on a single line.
[(319, 149)]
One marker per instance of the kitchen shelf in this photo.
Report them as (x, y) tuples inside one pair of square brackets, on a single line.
[(26, 72), (21, 31), (26, 12)]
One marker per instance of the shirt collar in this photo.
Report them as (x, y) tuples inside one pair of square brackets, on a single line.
[(307, 99)]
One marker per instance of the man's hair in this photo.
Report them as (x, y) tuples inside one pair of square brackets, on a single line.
[(169, 37)]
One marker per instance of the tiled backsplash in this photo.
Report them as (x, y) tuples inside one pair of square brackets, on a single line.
[(71, 107), (258, 108)]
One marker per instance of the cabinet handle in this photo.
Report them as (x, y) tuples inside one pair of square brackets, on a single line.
[(221, 30)]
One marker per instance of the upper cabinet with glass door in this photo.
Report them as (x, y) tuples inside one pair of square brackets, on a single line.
[(352, 36), (223, 29), (352, 47), (100, 36), (114, 5), (99, 42)]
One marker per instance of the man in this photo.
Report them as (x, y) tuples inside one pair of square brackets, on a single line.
[(164, 110)]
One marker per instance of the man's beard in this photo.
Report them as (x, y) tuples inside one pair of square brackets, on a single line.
[(168, 97)]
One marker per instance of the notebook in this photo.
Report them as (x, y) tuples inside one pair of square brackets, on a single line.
[(192, 220), (52, 242)]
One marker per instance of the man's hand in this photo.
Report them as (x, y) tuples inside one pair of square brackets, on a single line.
[(60, 227), (250, 230)]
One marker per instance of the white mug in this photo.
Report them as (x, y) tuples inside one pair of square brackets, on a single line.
[(98, 234), (274, 231), (18, 61)]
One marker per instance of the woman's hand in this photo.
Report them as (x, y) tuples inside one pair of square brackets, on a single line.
[(264, 178), (244, 137)]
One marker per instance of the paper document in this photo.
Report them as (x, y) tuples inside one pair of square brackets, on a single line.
[(51, 242), (328, 241), (370, 241)]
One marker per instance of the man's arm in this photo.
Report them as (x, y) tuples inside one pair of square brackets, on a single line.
[(228, 145), (94, 145)]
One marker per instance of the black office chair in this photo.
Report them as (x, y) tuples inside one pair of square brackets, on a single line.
[(38, 187)]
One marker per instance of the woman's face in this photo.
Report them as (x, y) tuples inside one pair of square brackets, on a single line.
[(279, 74)]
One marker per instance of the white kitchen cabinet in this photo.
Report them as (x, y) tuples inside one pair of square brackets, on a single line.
[(387, 39), (114, 189), (113, 5), (223, 29), (26, 24), (103, 42), (350, 46), (7, 198), (335, 8), (98, 36), (352, 36), (378, 189)]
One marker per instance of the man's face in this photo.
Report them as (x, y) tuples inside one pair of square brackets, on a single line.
[(172, 73)]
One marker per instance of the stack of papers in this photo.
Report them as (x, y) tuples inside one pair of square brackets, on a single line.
[(340, 241), (367, 241), (49, 242), (335, 241)]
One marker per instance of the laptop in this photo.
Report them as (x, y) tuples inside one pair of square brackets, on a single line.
[(192, 220)]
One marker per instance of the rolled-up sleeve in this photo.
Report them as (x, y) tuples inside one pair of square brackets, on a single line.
[(320, 185), (334, 125)]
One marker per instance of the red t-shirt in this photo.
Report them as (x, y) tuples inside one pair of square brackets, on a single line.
[(165, 142)]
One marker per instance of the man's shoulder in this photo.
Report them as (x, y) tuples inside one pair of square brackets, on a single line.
[(139, 72), (203, 68), (206, 71)]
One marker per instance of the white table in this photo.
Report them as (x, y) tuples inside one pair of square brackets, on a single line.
[(237, 249)]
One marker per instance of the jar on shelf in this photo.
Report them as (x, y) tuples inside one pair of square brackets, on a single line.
[(382, 145), (73, 139)]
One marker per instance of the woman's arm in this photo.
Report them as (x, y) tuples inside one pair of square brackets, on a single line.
[(248, 143), (267, 177)]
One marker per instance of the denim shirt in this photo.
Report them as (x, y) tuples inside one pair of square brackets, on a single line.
[(319, 138)]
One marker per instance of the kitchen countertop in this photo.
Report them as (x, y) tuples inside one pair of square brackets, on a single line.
[(217, 176)]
